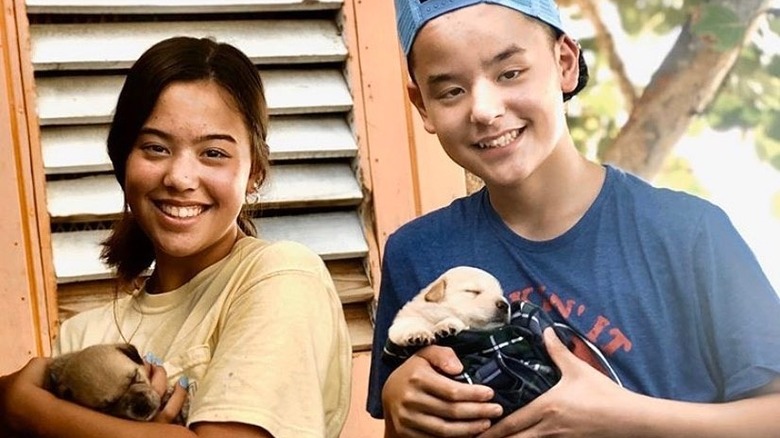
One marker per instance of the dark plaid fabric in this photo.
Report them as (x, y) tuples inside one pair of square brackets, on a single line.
[(510, 359)]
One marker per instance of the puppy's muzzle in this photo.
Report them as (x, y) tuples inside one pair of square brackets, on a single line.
[(501, 314), (138, 403)]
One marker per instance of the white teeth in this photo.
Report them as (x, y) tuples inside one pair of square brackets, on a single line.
[(181, 212), (500, 141)]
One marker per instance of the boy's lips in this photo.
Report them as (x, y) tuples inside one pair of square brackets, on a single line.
[(499, 141)]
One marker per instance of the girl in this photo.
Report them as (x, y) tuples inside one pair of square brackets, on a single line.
[(253, 329)]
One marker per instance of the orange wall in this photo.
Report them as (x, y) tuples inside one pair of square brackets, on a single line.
[(25, 262)]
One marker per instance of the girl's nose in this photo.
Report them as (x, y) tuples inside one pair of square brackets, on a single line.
[(487, 103), (181, 174)]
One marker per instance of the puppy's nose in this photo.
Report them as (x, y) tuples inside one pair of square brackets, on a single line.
[(502, 305)]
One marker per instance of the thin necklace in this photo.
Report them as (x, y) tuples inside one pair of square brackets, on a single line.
[(138, 310)]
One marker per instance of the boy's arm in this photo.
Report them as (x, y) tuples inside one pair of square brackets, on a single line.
[(587, 403), (420, 400)]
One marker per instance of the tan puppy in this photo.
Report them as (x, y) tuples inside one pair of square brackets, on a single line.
[(109, 378), (462, 298)]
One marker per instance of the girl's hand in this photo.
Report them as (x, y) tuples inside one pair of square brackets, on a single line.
[(419, 400), (173, 405), (584, 403)]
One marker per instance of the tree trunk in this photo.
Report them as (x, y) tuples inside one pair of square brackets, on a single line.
[(684, 85)]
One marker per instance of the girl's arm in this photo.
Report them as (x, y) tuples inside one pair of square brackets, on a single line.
[(27, 409)]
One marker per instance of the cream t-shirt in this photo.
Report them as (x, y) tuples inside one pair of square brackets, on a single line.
[(260, 335)]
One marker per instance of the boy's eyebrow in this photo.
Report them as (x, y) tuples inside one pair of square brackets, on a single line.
[(165, 136), (505, 54)]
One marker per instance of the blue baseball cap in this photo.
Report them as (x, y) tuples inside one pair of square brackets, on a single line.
[(411, 16)]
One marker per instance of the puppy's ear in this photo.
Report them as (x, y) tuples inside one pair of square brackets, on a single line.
[(130, 351), (436, 292)]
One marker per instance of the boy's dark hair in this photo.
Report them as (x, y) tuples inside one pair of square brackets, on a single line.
[(174, 60)]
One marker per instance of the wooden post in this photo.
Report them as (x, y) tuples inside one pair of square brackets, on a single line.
[(27, 290)]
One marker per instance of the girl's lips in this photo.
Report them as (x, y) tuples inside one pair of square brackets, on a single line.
[(180, 211)]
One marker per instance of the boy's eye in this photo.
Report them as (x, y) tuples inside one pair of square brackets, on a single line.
[(511, 74), (450, 93)]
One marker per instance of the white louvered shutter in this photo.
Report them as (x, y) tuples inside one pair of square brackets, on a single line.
[(82, 48)]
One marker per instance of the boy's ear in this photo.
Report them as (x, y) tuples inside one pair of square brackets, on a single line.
[(415, 96), (568, 61)]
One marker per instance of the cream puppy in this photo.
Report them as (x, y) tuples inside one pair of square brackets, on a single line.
[(109, 378), (462, 298)]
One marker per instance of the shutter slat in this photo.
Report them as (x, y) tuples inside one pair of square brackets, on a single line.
[(91, 99), (75, 149), (333, 235), (99, 197), (175, 6), (118, 45)]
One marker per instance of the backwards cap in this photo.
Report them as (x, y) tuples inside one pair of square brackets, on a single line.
[(411, 16)]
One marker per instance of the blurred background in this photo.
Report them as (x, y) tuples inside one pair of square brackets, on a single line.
[(700, 118)]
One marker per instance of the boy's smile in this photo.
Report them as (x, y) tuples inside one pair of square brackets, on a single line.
[(489, 82)]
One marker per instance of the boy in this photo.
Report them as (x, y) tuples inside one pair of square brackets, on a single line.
[(659, 280)]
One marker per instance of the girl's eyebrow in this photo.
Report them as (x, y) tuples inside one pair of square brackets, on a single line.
[(203, 138)]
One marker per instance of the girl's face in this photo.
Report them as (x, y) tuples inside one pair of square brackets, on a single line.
[(187, 174), (489, 83)]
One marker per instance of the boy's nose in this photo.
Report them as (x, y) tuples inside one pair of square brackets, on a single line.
[(487, 105)]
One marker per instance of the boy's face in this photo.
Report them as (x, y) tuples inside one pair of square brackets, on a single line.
[(489, 83)]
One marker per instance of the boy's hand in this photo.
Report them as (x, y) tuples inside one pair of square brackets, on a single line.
[(583, 403), (419, 399)]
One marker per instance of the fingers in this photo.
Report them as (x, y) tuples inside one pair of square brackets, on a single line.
[(514, 425), (555, 348), (419, 401), (168, 413), (443, 359), (158, 379)]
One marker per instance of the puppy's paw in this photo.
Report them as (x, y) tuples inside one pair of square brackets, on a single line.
[(406, 333), (448, 327)]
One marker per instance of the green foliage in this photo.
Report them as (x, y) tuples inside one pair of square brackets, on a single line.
[(678, 174), (656, 16), (592, 121), (749, 98), (718, 25)]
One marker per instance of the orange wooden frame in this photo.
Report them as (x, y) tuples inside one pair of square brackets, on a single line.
[(27, 289)]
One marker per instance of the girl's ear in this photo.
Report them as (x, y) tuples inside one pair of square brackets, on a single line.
[(415, 96), (568, 62)]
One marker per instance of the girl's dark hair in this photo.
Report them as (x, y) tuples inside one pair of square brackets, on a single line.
[(178, 59)]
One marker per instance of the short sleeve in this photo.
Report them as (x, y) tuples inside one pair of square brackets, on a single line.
[(740, 306), (282, 357)]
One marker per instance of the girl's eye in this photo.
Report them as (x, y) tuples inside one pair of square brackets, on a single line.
[(154, 148), (215, 153)]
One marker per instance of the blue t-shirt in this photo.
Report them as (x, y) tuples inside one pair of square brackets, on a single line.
[(659, 280)]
